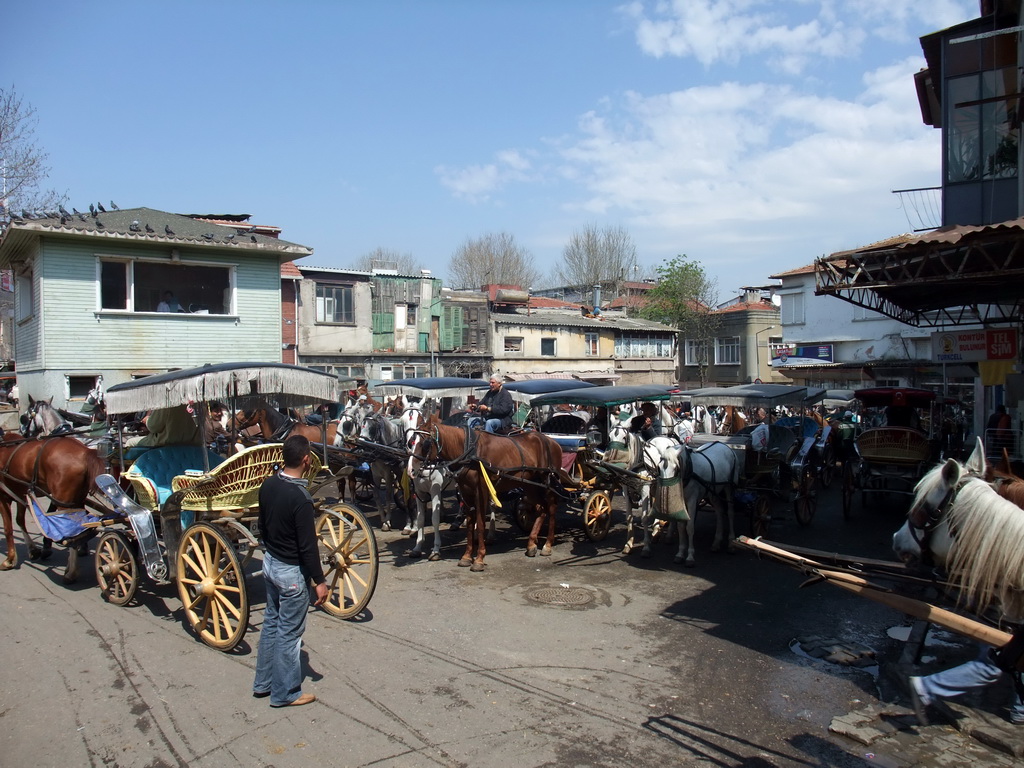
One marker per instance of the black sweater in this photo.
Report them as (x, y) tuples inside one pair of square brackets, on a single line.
[(287, 525)]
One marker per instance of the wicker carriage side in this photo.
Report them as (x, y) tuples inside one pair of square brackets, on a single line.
[(893, 445), (235, 484)]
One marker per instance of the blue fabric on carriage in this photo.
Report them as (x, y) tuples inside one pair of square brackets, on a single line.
[(161, 465), (810, 426), (62, 525)]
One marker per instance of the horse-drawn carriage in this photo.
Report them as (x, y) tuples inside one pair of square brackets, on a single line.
[(186, 515), (784, 455), (893, 450), (599, 458)]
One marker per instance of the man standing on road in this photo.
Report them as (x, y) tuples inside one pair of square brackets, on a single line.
[(496, 406), (290, 560)]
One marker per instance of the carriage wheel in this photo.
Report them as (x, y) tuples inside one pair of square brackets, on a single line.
[(828, 466), (762, 515), (364, 488), (806, 503), (348, 552), (211, 584), (523, 514), (849, 485), (117, 568), (597, 515)]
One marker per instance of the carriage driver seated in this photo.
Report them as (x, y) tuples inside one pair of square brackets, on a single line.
[(496, 407), (168, 426), (646, 423)]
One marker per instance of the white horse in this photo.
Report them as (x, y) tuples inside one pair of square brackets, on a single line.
[(652, 452), (386, 467), (710, 472), (430, 480), (969, 528)]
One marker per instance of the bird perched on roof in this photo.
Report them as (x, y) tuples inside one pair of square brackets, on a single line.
[(134, 226), (231, 236), (25, 214), (150, 229), (253, 238), (63, 212), (92, 210), (168, 230), (81, 217), (100, 208), (207, 236), (63, 219), (113, 206), (99, 224)]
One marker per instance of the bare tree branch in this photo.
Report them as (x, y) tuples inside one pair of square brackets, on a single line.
[(387, 258), (492, 259), (22, 162), (595, 255)]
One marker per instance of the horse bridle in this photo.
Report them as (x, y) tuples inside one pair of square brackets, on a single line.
[(923, 521)]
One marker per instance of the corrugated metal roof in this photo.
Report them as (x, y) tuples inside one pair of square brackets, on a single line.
[(570, 320)]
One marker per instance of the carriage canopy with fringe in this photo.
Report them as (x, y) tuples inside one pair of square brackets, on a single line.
[(287, 385)]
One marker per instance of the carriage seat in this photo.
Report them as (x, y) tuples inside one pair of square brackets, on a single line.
[(152, 473), (235, 483)]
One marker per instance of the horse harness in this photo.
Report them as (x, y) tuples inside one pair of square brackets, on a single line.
[(33, 484)]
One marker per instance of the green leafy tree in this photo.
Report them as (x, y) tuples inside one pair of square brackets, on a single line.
[(685, 298)]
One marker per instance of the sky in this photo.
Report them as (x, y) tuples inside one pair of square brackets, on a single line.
[(752, 136)]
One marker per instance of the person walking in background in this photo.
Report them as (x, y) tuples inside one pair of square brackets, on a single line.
[(290, 561), (998, 431)]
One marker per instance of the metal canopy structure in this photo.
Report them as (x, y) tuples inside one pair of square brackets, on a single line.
[(955, 275)]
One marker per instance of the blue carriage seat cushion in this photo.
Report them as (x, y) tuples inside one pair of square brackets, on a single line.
[(161, 465)]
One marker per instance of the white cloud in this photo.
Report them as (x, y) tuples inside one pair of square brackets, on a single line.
[(476, 183)]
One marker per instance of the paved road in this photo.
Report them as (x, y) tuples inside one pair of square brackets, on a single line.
[(662, 666)]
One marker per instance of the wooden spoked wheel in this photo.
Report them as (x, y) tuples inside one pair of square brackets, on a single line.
[(211, 584), (762, 515), (806, 503), (828, 466), (849, 486), (524, 515), (364, 488), (597, 516), (117, 568), (348, 552)]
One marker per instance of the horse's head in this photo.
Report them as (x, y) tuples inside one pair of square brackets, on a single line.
[(412, 417), (350, 423), (654, 449), (925, 537), (42, 419), (423, 449), (675, 463)]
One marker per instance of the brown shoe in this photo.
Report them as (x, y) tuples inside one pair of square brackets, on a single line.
[(306, 698)]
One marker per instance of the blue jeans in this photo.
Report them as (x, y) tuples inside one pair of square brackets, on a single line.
[(968, 676), (492, 425), (278, 668)]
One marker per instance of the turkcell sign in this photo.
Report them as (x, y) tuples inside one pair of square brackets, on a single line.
[(974, 346), (814, 354)]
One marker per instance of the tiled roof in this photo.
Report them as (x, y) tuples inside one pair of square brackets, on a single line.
[(288, 269), (538, 302), (744, 306), (167, 228)]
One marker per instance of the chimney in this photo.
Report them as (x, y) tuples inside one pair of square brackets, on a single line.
[(597, 296)]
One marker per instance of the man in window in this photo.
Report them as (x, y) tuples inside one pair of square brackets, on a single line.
[(169, 304)]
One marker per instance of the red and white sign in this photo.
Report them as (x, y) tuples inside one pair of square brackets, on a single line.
[(975, 346)]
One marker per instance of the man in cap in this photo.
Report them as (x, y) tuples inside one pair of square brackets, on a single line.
[(496, 406)]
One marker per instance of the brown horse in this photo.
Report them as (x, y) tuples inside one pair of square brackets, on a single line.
[(530, 461), (733, 422), (60, 468)]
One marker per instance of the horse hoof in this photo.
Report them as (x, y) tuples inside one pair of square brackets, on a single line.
[(413, 554), (70, 578), (45, 554), (627, 549), (465, 562), (531, 552), (476, 567), (545, 552), (690, 564), (407, 531), (434, 557), (677, 559), (385, 526), (7, 565), (35, 554)]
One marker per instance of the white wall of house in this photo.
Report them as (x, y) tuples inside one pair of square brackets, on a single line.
[(858, 335)]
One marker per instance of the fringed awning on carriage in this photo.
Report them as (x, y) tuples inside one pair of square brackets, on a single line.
[(432, 387), (766, 395), (286, 385), (525, 391), (606, 396)]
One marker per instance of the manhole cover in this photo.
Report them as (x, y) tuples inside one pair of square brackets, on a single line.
[(560, 595)]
